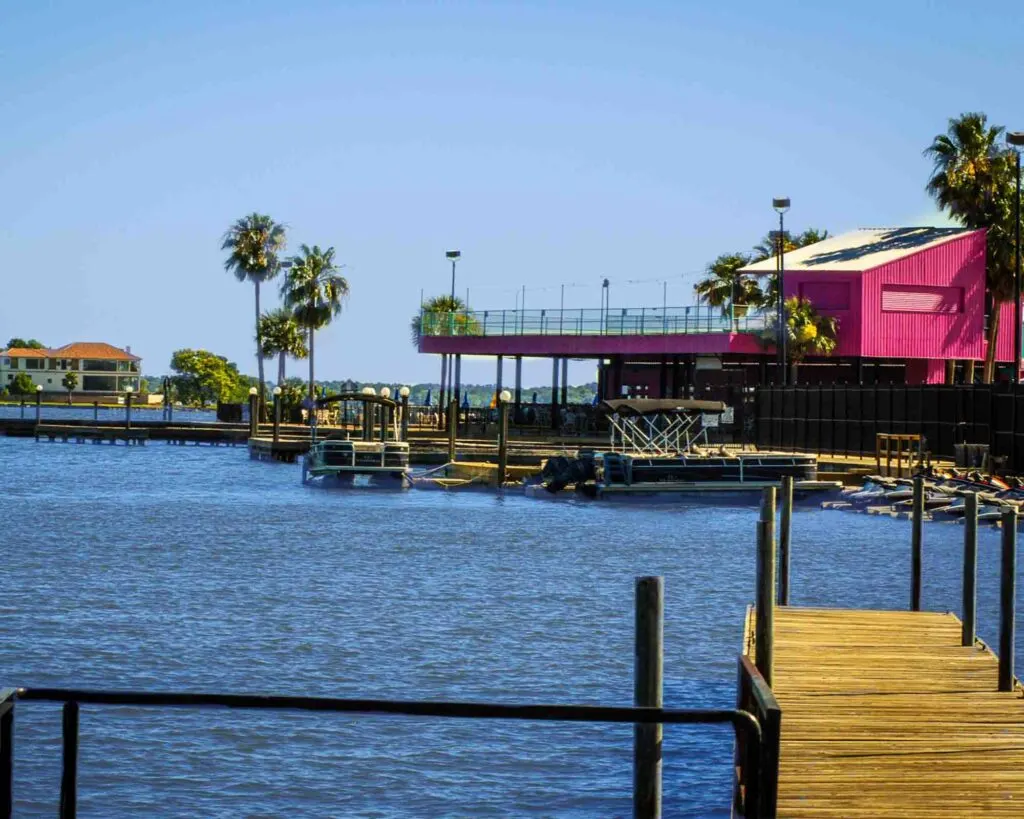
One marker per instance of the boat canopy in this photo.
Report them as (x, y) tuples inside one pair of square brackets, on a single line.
[(356, 396), (660, 406)]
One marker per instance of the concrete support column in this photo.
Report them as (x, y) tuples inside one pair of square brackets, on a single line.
[(497, 379), (555, 418), (517, 409), (565, 381)]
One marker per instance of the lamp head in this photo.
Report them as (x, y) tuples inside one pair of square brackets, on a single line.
[(385, 392), (367, 390), (253, 391), (1015, 138), (39, 387), (453, 254), (404, 392), (277, 392), (781, 205), (505, 396)]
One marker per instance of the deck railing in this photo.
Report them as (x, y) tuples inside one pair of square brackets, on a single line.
[(592, 322), (750, 787)]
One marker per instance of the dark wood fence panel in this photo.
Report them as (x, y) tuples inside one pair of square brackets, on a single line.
[(844, 419)]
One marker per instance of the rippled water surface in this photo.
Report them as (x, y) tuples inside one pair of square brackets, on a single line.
[(195, 568)]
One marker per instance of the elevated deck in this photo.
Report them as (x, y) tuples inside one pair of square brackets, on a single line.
[(886, 714)]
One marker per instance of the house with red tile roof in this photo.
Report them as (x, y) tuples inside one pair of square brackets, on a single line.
[(101, 368)]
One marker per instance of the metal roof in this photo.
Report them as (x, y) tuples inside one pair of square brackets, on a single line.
[(654, 406), (861, 250)]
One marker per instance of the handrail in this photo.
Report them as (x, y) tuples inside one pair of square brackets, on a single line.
[(755, 696), (745, 724), (625, 321)]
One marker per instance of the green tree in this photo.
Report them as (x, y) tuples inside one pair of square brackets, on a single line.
[(725, 287), (22, 385), (807, 332), (974, 180), (253, 244), (29, 344), (281, 336), (442, 315), (314, 291), (201, 377), (70, 383)]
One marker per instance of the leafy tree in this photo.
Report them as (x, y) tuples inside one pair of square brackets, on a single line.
[(974, 180), (253, 244), (281, 336), (70, 383), (807, 332), (314, 291), (725, 287), (22, 385), (442, 315), (30, 344), (201, 377)]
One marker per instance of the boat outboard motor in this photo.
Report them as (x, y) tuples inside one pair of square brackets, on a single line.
[(560, 471)]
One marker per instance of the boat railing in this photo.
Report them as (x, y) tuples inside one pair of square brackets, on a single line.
[(750, 789)]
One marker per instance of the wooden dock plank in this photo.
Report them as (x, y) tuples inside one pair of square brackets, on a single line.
[(885, 714)]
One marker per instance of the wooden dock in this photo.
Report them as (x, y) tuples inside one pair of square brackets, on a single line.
[(885, 713), (96, 435)]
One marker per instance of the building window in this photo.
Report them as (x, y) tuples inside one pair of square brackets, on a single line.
[(34, 364), (49, 380), (99, 365), (905, 298)]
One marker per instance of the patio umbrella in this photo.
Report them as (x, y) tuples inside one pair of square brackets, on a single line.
[(465, 402), (426, 403)]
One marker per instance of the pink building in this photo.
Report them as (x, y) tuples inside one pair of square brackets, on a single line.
[(907, 301)]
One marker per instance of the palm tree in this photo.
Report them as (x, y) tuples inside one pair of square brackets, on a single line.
[(726, 287), (253, 244), (314, 293), (432, 318), (807, 332), (973, 179), (768, 248), (281, 335)]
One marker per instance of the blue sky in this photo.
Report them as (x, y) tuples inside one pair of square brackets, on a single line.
[(551, 142)]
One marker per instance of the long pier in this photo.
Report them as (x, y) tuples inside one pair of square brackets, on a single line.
[(887, 713)]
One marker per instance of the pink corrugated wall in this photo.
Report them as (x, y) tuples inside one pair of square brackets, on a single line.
[(848, 332), (959, 263), (1004, 344)]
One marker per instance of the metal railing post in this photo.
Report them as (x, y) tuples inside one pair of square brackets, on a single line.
[(917, 519), (69, 763), (969, 608), (1007, 601), (764, 629), (785, 530)]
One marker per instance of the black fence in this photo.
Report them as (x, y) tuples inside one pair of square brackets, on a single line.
[(844, 420), (756, 769)]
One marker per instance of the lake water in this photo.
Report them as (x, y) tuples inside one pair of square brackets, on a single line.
[(195, 568)]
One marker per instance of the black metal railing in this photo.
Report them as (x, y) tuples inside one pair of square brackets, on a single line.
[(749, 791)]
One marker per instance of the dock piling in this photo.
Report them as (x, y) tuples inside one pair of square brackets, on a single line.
[(453, 421), (502, 441), (785, 529), (969, 608), (69, 767), (1007, 602), (405, 414), (917, 519), (648, 666), (764, 632), (128, 409)]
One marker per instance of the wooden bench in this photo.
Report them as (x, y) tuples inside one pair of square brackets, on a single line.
[(888, 442)]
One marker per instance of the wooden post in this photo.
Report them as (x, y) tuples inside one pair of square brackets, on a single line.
[(785, 529), (502, 442), (764, 631), (39, 405), (96, 411), (1007, 601), (969, 607), (69, 772), (453, 420), (253, 417), (405, 417), (128, 410), (648, 664), (916, 524)]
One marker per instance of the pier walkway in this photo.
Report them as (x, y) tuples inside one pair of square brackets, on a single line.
[(885, 713)]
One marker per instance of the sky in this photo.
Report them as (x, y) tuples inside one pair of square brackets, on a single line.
[(553, 143)]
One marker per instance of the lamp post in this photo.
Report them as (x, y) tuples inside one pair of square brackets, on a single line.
[(385, 414), (39, 402), (127, 407), (277, 412), (605, 296), (503, 400), (781, 205), (1016, 139), (253, 392), (404, 394)]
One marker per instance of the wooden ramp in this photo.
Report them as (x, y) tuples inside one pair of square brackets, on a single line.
[(885, 714)]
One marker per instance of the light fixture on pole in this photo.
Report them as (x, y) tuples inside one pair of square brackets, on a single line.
[(1016, 139), (781, 205), (605, 296), (277, 411)]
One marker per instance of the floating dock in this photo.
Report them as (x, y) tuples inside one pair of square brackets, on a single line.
[(886, 714)]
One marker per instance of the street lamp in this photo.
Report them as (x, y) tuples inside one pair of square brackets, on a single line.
[(253, 429), (1016, 139), (781, 205), (39, 401), (128, 407), (277, 411), (385, 392), (503, 400)]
